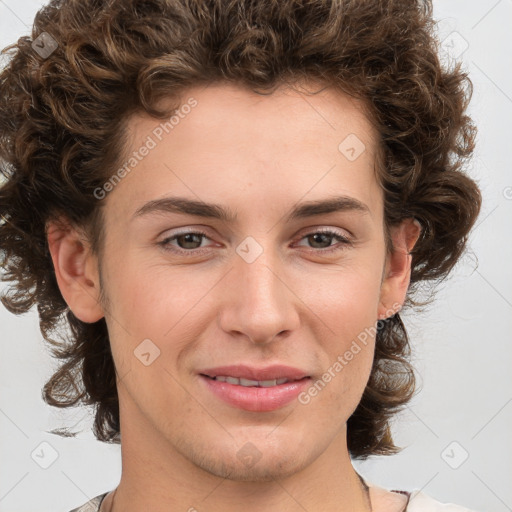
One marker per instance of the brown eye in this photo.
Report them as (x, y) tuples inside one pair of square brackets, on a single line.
[(322, 240), (186, 242), (189, 239)]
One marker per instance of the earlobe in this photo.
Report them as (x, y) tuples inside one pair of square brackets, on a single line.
[(397, 273), (76, 270)]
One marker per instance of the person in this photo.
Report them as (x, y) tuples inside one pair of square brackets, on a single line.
[(220, 209)]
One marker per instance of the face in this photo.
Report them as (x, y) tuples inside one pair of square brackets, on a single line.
[(190, 292)]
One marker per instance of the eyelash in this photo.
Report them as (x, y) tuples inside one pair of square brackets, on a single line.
[(194, 252)]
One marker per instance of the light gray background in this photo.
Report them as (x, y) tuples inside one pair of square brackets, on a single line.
[(462, 344)]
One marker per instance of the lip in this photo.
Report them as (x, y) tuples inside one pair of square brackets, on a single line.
[(241, 371), (256, 399)]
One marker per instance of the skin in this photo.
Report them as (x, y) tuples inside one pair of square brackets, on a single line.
[(296, 305)]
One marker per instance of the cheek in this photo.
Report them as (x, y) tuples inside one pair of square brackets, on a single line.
[(155, 302), (347, 300), (151, 327), (150, 298), (347, 306)]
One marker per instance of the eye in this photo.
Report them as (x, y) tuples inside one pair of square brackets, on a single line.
[(189, 242), (323, 236)]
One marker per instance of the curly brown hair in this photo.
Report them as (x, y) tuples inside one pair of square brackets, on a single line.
[(62, 122)]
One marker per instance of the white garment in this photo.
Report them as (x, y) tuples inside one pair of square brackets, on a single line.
[(418, 501)]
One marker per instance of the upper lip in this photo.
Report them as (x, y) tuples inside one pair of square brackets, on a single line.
[(241, 371)]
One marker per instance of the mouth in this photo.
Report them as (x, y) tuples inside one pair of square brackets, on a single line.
[(252, 389), (250, 375), (249, 383)]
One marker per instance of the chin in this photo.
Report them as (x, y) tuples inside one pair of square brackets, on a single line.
[(264, 470), (260, 460)]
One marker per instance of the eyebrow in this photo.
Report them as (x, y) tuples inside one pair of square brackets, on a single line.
[(216, 211)]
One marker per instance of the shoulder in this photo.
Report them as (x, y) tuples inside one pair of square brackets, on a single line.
[(418, 502), (421, 502), (92, 505), (409, 501)]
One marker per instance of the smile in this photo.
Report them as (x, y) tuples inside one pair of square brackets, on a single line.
[(255, 395), (251, 383)]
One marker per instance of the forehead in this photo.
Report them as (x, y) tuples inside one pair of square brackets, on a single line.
[(225, 107), (235, 142)]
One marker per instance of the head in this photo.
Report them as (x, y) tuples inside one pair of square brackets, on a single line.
[(257, 108)]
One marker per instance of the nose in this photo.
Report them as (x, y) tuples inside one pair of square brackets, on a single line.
[(258, 302)]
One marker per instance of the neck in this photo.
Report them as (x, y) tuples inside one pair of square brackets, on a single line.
[(177, 482)]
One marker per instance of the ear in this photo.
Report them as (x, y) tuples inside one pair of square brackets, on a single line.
[(76, 269), (397, 272)]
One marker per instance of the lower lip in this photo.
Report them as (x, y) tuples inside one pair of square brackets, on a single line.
[(256, 399)]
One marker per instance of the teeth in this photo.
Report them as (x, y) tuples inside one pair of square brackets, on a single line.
[(247, 382), (251, 383), (268, 383)]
